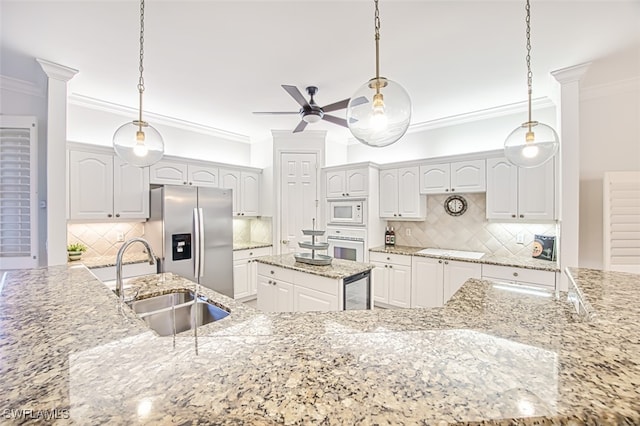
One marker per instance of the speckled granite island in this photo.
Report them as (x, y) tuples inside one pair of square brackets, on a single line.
[(489, 356)]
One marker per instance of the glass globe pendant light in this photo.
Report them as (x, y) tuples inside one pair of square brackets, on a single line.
[(136, 142), (532, 143), (386, 119)]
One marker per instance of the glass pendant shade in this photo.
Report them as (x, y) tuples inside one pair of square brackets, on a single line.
[(139, 148), (531, 145), (386, 116)]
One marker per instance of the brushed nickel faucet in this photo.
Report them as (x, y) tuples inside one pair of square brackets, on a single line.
[(125, 245)]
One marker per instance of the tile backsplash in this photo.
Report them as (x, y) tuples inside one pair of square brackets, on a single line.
[(471, 231), (101, 239), (252, 230)]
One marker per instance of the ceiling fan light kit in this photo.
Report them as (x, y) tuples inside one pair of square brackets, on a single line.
[(532, 143), (136, 142), (388, 117)]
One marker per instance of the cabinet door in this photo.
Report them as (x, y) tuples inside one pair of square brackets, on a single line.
[(389, 193), (167, 172), (90, 185), (336, 185), (400, 286), (306, 300), (502, 189), (283, 297), (456, 274), (241, 274), (411, 204), (536, 192), (202, 176), (249, 194), (469, 176), (380, 282), (357, 182), (266, 294), (426, 283), (434, 178), (130, 190), (230, 179)]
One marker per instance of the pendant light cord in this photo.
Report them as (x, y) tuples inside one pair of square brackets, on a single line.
[(141, 66), (529, 73), (376, 23)]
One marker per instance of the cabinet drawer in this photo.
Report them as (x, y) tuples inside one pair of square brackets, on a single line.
[(316, 282), (251, 253), (275, 272), (507, 273), (396, 259)]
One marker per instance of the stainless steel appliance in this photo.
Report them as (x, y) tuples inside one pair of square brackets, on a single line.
[(347, 243), (357, 291), (191, 230), (346, 212)]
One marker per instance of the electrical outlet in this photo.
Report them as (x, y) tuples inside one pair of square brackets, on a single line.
[(120, 236), (520, 238), (408, 232)]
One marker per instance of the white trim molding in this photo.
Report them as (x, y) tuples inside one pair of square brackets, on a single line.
[(57, 71), (113, 108), (21, 86), (611, 88)]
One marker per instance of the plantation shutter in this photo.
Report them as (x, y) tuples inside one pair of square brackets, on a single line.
[(621, 199), (18, 195)]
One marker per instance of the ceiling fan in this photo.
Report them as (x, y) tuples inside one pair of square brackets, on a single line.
[(310, 112)]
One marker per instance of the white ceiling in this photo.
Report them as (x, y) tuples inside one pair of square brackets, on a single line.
[(214, 62)]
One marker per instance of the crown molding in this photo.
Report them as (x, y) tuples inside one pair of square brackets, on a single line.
[(100, 105), (629, 85), (570, 74), (21, 86), (57, 71)]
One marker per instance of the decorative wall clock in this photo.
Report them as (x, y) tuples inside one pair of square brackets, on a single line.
[(455, 205)]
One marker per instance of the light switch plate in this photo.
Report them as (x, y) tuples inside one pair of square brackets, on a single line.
[(120, 236), (520, 238)]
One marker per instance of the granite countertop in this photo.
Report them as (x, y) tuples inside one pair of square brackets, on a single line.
[(489, 259), (129, 257), (250, 245), (488, 356), (338, 269)]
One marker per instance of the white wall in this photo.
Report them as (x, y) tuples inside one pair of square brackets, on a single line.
[(23, 92), (94, 126), (609, 139)]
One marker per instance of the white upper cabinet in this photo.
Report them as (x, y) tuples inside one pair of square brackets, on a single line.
[(520, 193), (347, 183), (245, 188), (461, 176), (178, 173), (103, 187), (400, 195)]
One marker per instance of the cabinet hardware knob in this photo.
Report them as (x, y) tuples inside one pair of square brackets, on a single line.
[(390, 266), (515, 274), (513, 215), (184, 183), (242, 214), (386, 266), (453, 189), (395, 214), (274, 283), (446, 190), (399, 214), (388, 258), (190, 183), (446, 262), (439, 261), (250, 253), (521, 216), (269, 281), (347, 194), (344, 195), (117, 214), (273, 272), (109, 215)]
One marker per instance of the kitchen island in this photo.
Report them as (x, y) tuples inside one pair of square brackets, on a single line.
[(489, 355)]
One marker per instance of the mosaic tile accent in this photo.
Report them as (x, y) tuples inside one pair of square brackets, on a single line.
[(471, 231), (101, 239)]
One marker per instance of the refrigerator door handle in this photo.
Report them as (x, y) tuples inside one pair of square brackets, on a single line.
[(196, 245), (201, 242)]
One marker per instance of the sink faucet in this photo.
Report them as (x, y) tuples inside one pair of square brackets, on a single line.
[(152, 260)]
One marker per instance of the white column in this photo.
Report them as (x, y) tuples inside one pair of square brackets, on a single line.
[(568, 124), (58, 76)]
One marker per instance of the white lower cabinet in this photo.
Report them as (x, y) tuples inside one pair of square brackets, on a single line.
[(286, 290), (245, 285), (391, 279), (521, 276), (434, 281)]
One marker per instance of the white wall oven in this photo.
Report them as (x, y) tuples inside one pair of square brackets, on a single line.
[(347, 243), (346, 212)]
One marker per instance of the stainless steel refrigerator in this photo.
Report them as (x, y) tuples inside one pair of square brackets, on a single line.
[(191, 230)]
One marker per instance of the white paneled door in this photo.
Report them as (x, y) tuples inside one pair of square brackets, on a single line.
[(299, 200)]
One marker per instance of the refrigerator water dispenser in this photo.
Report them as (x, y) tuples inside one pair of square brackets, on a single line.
[(181, 246)]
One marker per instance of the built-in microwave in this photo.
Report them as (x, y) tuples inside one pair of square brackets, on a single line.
[(346, 212)]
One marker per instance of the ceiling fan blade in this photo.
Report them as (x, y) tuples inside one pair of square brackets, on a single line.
[(335, 120), (336, 105), (359, 101), (300, 127), (295, 94), (276, 112)]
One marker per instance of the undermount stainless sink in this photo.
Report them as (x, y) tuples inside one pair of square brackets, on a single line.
[(174, 313)]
